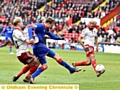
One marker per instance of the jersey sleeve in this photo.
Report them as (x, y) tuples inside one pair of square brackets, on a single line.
[(30, 29), (83, 33), (52, 36)]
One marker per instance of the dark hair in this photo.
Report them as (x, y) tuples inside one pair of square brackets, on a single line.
[(50, 20)]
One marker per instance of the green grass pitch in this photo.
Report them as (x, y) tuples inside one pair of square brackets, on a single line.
[(56, 74)]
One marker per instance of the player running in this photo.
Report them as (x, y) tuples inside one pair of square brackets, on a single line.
[(8, 37), (23, 53), (41, 50), (90, 35)]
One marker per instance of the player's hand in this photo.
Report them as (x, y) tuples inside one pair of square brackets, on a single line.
[(31, 41), (62, 37), (36, 40), (96, 49)]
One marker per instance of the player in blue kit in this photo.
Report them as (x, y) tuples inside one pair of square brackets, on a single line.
[(41, 50), (8, 37)]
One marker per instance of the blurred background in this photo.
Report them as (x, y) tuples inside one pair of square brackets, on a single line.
[(71, 17)]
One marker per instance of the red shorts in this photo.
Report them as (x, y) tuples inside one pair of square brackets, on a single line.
[(26, 57), (90, 51)]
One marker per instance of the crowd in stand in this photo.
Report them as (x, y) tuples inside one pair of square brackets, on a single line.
[(27, 9), (76, 10), (111, 33), (61, 10), (117, 20), (104, 10), (109, 36)]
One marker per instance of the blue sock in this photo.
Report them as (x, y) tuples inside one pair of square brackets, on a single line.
[(63, 63), (10, 49), (37, 72)]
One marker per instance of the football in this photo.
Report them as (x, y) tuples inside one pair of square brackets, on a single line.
[(100, 68)]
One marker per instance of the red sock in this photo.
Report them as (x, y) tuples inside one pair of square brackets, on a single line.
[(80, 63), (32, 70), (94, 65), (24, 70), (59, 60), (42, 68)]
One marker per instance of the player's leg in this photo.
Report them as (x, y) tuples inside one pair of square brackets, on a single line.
[(23, 71), (40, 53), (4, 44), (83, 63), (93, 62), (10, 46), (39, 70), (31, 64), (29, 67), (7, 40), (92, 58), (62, 62), (33, 67), (11, 52)]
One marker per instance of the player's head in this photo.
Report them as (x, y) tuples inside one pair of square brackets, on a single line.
[(18, 22), (49, 22), (10, 24), (91, 24)]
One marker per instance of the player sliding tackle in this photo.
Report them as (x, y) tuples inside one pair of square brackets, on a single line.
[(23, 53), (90, 35), (41, 50)]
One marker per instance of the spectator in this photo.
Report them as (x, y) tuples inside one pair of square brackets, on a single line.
[(100, 39), (110, 31), (118, 23), (112, 39), (104, 38), (118, 40)]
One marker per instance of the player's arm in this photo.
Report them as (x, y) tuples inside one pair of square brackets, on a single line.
[(3, 32), (52, 36), (30, 29), (80, 40), (21, 37), (32, 38), (29, 41), (96, 42)]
